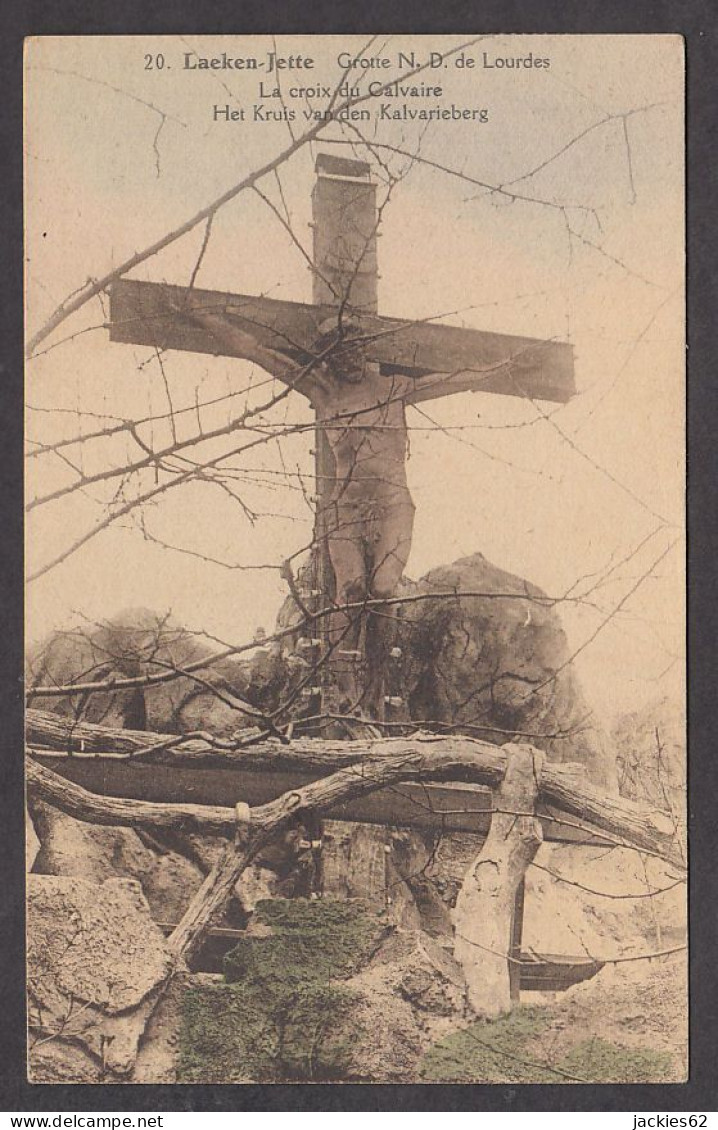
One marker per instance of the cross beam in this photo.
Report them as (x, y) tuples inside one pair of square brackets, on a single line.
[(473, 360)]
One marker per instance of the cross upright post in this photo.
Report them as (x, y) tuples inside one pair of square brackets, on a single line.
[(345, 278)]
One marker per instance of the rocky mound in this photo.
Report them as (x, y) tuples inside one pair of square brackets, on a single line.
[(489, 662), (324, 991)]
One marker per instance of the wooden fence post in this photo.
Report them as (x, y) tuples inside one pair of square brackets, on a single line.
[(487, 925), (517, 930)]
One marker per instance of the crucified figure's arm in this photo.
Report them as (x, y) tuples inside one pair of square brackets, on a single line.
[(240, 342), (229, 334), (429, 386)]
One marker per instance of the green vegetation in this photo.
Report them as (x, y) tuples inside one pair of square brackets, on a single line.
[(488, 1052), (281, 1015), (506, 1051), (609, 1063), (312, 942)]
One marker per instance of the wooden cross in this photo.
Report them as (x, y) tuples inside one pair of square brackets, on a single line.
[(424, 360)]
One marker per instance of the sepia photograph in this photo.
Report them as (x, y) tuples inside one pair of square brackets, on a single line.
[(355, 559)]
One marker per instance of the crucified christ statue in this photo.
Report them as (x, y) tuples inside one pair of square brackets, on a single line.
[(359, 370), (369, 513)]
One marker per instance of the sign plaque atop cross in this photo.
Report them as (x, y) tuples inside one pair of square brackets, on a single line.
[(359, 370)]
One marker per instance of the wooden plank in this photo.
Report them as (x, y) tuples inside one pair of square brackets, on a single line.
[(498, 363), (550, 973), (448, 808)]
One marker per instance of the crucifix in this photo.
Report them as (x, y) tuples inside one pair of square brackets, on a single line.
[(359, 371)]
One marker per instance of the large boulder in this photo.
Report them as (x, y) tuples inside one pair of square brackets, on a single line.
[(586, 900), (583, 900), (170, 867), (95, 960), (138, 642), (95, 853), (493, 662), (134, 643)]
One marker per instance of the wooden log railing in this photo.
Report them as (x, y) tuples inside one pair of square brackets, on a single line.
[(570, 807), (517, 776)]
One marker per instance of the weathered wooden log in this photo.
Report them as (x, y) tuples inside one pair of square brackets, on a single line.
[(485, 907), (374, 763), (53, 731), (43, 784)]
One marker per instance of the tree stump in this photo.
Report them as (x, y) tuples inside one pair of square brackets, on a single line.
[(484, 917)]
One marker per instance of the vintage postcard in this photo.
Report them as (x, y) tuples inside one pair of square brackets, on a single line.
[(355, 584)]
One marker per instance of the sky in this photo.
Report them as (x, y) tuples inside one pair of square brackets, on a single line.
[(561, 216)]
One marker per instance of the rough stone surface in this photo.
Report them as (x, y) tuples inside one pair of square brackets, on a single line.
[(87, 851), (96, 853), (156, 1060), (483, 661), (32, 843), (60, 1061), (137, 642), (94, 956), (651, 757), (420, 971), (387, 1040), (635, 1005), (561, 917), (169, 868), (96, 944), (123, 647), (169, 885)]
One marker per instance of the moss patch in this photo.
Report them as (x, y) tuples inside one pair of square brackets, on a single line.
[(488, 1052), (312, 942), (507, 1051), (603, 1062), (283, 1013)]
